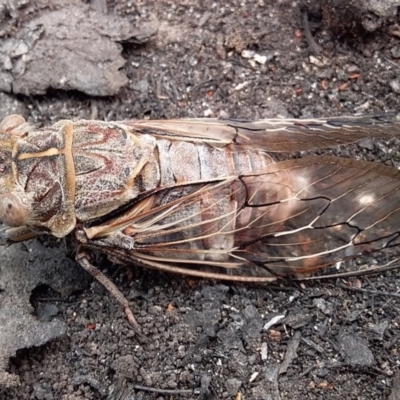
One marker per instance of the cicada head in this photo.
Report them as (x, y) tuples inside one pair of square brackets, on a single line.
[(12, 210), (37, 176)]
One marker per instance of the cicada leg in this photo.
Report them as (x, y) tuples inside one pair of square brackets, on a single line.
[(83, 260), (18, 234)]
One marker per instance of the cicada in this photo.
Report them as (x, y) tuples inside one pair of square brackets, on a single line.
[(229, 199)]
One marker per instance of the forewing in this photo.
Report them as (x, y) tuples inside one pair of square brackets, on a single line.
[(294, 218), (323, 209), (274, 135)]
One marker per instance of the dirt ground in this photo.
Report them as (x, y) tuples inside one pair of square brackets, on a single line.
[(62, 336)]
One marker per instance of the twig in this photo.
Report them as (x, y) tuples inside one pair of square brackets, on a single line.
[(291, 352), (161, 391), (369, 291), (317, 49)]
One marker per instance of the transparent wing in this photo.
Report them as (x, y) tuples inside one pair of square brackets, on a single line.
[(294, 218), (275, 135)]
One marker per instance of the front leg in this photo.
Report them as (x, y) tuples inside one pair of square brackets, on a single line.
[(12, 235)]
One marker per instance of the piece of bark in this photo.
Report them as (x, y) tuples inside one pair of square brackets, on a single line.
[(73, 48)]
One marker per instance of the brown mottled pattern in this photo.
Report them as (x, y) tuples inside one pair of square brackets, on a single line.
[(204, 195)]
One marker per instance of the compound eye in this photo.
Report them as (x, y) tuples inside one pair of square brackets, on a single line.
[(12, 212), (11, 122)]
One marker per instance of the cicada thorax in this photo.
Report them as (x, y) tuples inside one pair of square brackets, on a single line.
[(113, 166), (72, 171)]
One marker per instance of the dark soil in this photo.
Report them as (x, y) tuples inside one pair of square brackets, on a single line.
[(337, 339)]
